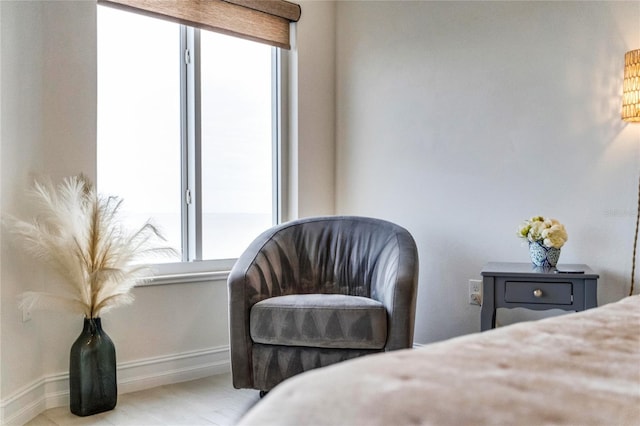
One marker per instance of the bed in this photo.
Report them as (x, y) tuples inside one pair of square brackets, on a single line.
[(577, 369)]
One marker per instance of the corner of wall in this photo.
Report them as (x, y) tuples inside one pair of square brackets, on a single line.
[(313, 110)]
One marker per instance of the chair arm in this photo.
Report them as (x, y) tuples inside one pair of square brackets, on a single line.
[(395, 285), (256, 275)]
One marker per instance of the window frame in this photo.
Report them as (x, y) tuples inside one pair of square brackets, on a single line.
[(192, 268)]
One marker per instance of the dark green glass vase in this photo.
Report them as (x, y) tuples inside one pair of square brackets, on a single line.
[(92, 371)]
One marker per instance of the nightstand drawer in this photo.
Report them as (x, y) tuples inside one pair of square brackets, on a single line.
[(538, 292)]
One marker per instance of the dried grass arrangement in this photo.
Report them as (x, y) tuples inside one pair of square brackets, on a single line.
[(78, 232)]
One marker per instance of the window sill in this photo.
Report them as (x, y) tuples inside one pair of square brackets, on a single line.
[(190, 272), (194, 277)]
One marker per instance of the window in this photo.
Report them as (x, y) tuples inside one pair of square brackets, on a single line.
[(187, 132)]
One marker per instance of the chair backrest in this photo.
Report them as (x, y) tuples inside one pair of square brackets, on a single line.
[(334, 254)]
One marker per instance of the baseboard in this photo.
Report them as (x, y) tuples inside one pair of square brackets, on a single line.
[(53, 390)]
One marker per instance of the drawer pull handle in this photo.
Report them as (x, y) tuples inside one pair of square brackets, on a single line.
[(537, 292)]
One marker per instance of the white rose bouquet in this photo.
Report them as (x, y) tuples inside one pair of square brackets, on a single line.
[(548, 232)]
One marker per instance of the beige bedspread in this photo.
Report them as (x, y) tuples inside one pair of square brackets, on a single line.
[(577, 369)]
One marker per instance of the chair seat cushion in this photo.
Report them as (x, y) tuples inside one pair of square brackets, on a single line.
[(320, 321)]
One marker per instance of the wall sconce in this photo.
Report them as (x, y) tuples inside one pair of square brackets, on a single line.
[(631, 86), (631, 113)]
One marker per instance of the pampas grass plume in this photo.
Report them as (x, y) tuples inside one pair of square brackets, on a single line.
[(78, 233)]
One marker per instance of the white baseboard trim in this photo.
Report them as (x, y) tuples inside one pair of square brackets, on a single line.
[(53, 390)]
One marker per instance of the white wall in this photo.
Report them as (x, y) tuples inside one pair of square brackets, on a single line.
[(48, 125), (0, 204), (313, 106), (460, 120)]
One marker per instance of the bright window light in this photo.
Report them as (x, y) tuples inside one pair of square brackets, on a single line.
[(220, 173)]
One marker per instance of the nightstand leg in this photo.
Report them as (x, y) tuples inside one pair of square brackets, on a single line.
[(488, 312), (487, 319), (590, 294)]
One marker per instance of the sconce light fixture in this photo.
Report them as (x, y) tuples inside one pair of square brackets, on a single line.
[(631, 113), (631, 86)]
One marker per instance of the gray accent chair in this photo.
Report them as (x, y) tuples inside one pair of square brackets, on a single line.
[(316, 291)]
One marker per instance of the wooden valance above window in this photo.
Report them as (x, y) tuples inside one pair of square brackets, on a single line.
[(265, 21)]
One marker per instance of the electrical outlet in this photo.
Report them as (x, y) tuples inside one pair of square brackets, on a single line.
[(26, 314), (475, 292)]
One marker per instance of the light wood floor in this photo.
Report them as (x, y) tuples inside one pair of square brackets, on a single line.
[(208, 401)]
